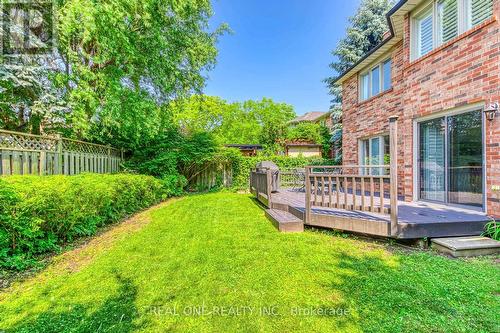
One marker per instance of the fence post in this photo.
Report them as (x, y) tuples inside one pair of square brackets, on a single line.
[(109, 160), (122, 154), (307, 215), (59, 154), (393, 137)]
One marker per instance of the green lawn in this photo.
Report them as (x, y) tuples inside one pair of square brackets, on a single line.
[(213, 263)]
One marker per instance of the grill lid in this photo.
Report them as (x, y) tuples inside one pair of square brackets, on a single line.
[(267, 165)]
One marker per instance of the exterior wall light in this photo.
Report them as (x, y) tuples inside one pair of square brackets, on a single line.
[(491, 110)]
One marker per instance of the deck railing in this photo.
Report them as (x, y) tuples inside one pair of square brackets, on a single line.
[(371, 188), (364, 188), (352, 188), (260, 185), (349, 187)]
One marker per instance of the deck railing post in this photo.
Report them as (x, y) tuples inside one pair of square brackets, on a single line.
[(393, 137), (307, 213), (269, 178)]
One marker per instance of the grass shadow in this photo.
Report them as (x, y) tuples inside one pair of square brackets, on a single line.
[(116, 314)]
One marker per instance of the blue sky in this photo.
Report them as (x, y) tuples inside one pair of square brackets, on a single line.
[(279, 49)]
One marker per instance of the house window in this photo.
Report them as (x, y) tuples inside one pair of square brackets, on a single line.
[(375, 81), (374, 151), (387, 74), (442, 20), (480, 10), (365, 86), (378, 79), (447, 15), (425, 33)]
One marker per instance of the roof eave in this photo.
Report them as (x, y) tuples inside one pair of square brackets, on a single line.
[(387, 43)]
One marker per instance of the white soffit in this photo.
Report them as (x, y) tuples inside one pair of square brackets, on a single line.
[(397, 22)]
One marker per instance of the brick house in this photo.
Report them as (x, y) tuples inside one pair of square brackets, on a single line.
[(438, 70), (318, 117)]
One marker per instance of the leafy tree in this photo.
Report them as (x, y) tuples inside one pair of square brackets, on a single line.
[(126, 58), (263, 121), (305, 132), (226, 121), (365, 31), (28, 100), (272, 117), (120, 62), (326, 144)]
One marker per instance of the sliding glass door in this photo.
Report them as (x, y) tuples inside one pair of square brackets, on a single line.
[(450, 159), (432, 160), (465, 156)]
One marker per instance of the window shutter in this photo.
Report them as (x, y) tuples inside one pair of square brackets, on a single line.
[(425, 34), (448, 19), (480, 11)]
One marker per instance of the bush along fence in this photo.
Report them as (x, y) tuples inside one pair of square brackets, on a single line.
[(27, 154), (39, 214)]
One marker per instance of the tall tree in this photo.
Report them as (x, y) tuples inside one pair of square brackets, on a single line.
[(263, 121), (272, 118), (127, 58), (121, 62), (364, 32)]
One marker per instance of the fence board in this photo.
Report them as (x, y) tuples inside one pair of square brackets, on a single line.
[(24, 154), (210, 176)]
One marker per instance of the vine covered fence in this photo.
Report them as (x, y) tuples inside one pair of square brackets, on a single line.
[(28, 154)]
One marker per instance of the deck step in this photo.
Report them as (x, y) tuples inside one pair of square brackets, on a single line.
[(469, 246), (284, 221)]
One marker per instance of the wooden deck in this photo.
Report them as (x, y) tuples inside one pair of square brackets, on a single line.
[(415, 219), (362, 199)]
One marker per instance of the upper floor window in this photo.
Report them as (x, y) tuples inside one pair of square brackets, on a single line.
[(376, 80), (443, 20)]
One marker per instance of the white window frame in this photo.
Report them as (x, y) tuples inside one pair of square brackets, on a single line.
[(424, 13), (380, 66), (464, 8), (381, 155)]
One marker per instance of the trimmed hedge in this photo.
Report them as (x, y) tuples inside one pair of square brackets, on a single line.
[(244, 165), (39, 214)]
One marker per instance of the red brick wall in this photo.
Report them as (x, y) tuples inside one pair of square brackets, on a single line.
[(463, 72)]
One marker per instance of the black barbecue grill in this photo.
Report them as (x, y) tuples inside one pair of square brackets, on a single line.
[(275, 173)]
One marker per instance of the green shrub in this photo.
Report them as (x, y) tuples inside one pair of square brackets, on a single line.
[(38, 214), (243, 166), (310, 132), (492, 230), (174, 157)]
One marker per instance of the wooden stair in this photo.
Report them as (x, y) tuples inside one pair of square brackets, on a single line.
[(285, 221)]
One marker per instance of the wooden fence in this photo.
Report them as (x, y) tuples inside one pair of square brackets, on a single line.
[(27, 154), (211, 176), (292, 178)]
